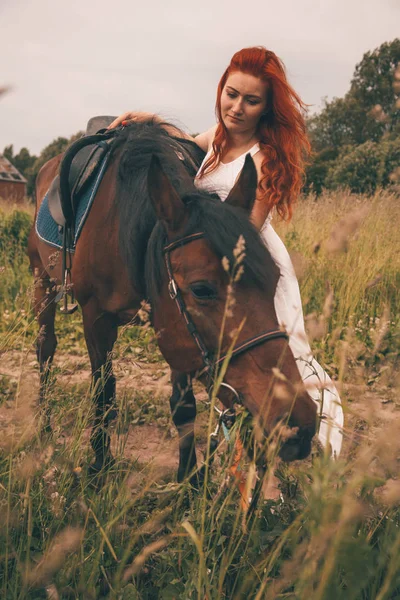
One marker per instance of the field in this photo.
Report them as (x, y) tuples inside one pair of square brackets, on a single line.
[(334, 531)]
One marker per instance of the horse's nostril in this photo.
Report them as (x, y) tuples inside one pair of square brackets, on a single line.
[(295, 441), (289, 451), (295, 449)]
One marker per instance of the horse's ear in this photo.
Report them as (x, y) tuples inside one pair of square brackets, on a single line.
[(166, 201), (243, 193)]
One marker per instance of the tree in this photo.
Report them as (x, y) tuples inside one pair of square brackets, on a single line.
[(317, 170), (23, 161), (373, 85), (29, 165), (8, 152), (340, 123), (365, 167), (368, 110)]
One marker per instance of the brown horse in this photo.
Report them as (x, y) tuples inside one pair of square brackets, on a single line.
[(151, 235)]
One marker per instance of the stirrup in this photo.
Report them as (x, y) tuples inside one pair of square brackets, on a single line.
[(67, 308)]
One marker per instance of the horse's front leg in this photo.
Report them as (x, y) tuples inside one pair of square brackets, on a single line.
[(183, 409), (101, 331)]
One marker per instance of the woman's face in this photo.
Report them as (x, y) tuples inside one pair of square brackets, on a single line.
[(243, 101)]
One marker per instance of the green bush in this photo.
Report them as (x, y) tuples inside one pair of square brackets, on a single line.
[(366, 167), (14, 231), (317, 171), (15, 278)]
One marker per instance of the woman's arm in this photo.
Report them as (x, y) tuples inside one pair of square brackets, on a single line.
[(203, 140), (260, 211), (143, 117)]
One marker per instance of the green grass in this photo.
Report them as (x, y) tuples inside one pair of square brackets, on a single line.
[(140, 536), (350, 245)]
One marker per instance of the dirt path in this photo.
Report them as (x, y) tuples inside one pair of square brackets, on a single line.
[(153, 443)]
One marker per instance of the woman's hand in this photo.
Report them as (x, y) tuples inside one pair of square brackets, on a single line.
[(202, 140), (131, 115)]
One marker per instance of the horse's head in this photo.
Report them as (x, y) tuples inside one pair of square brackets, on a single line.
[(195, 288)]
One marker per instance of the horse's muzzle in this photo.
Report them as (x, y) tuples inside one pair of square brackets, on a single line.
[(297, 446)]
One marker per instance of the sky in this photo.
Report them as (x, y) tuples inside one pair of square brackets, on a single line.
[(69, 60)]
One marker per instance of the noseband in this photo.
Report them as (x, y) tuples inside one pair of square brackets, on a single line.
[(208, 362)]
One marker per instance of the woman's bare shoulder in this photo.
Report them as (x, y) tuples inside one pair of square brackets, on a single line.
[(205, 139)]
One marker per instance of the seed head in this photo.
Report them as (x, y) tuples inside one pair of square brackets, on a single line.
[(239, 250), (225, 264), (53, 559)]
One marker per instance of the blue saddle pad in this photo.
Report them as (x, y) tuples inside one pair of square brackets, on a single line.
[(46, 227)]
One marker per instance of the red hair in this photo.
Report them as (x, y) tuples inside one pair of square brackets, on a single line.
[(281, 130)]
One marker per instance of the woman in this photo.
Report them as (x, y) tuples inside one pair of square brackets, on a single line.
[(259, 113)]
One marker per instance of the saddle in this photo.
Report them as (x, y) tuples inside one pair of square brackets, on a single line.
[(83, 159), (83, 165), (78, 169)]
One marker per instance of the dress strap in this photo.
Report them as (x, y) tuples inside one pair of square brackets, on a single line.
[(254, 149)]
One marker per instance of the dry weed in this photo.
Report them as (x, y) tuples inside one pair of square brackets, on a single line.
[(17, 426), (141, 558), (317, 325), (344, 229), (31, 463), (66, 542), (379, 334), (389, 494), (300, 264)]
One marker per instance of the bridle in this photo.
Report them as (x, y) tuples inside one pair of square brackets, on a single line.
[(209, 364)]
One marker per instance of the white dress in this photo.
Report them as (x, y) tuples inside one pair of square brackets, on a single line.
[(288, 310)]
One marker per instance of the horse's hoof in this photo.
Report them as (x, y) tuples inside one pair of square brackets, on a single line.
[(101, 467)]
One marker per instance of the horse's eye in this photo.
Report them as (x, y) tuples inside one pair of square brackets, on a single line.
[(202, 290)]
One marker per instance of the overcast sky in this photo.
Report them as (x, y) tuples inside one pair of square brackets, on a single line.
[(69, 60)]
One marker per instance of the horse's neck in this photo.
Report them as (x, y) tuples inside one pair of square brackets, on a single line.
[(192, 154)]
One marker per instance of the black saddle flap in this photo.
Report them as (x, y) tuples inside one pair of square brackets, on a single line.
[(78, 169), (84, 167)]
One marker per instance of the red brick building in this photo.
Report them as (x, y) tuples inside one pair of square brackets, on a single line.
[(12, 183)]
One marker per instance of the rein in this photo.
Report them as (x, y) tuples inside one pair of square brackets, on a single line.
[(207, 356)]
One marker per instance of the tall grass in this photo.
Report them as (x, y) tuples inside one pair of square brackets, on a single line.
[(351, 242), (349, 245), (140, 536)]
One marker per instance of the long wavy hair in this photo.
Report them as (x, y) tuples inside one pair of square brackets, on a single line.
[(281, 130)]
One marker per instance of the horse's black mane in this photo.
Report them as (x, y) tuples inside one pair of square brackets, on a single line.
[(142, 238)]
